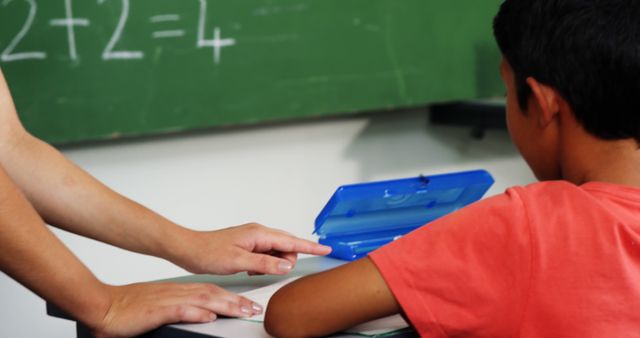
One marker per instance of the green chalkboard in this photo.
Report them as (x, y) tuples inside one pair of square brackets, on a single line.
[(99, 69)]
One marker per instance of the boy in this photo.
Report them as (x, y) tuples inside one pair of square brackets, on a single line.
[(560, 258)]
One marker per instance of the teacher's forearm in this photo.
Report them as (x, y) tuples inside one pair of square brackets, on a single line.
[(34, 256), (69, 198)]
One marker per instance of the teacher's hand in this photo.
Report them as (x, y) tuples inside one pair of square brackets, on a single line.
[(253, 248), (131, 310)]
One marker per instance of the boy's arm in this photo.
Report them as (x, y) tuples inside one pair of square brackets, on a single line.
[(69, 198), (330, 301)]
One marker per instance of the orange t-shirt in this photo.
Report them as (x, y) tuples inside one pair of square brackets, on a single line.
[(548, 260)]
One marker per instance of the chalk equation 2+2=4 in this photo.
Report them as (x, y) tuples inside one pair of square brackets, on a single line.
[(10, 52)]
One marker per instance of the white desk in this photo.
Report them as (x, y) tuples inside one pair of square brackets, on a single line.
[(236, 283)]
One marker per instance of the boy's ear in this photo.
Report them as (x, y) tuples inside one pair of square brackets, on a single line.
[(546, 100)]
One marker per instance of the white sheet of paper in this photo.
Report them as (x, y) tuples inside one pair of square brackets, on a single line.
[(263, 295), (252, 327)]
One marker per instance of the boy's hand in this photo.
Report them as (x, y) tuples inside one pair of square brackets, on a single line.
[(251, 247), (137, 308)]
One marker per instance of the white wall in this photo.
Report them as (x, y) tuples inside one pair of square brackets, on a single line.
[(277, 175)]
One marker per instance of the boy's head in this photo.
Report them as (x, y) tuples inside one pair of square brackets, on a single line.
[(586, 51)]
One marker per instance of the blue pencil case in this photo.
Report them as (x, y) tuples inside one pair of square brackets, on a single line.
[(360, 218)]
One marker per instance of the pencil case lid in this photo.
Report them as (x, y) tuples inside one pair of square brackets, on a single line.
[(359, 218)]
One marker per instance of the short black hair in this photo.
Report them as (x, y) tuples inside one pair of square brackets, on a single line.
[(588, 50)]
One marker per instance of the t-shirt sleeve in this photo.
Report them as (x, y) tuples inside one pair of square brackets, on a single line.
[(465, 273)]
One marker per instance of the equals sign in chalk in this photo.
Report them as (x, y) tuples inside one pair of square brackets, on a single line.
[(175, 33), (168, 34)]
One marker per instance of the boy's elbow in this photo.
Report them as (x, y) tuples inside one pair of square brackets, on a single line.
[(284, 317), (276, 325)]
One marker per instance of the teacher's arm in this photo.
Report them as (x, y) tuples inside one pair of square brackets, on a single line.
[(35, 257), (69, 198)]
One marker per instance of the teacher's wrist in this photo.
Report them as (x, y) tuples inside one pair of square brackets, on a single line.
[(179, 246), (91, 305)]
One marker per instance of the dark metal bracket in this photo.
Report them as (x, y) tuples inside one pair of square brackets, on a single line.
[(479, 115)]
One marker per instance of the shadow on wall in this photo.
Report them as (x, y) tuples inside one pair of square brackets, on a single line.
[(405, 142)]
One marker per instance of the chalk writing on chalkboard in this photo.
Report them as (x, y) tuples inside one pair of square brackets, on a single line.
[(11, 54)]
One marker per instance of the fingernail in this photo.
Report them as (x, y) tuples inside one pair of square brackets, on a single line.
[(257, 308), (212, 316), (285, 266), (246, 310)]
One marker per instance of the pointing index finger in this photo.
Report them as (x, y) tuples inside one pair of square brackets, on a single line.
[(298, 245)]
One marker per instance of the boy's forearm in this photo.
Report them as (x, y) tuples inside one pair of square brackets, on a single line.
[(330, 301)]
